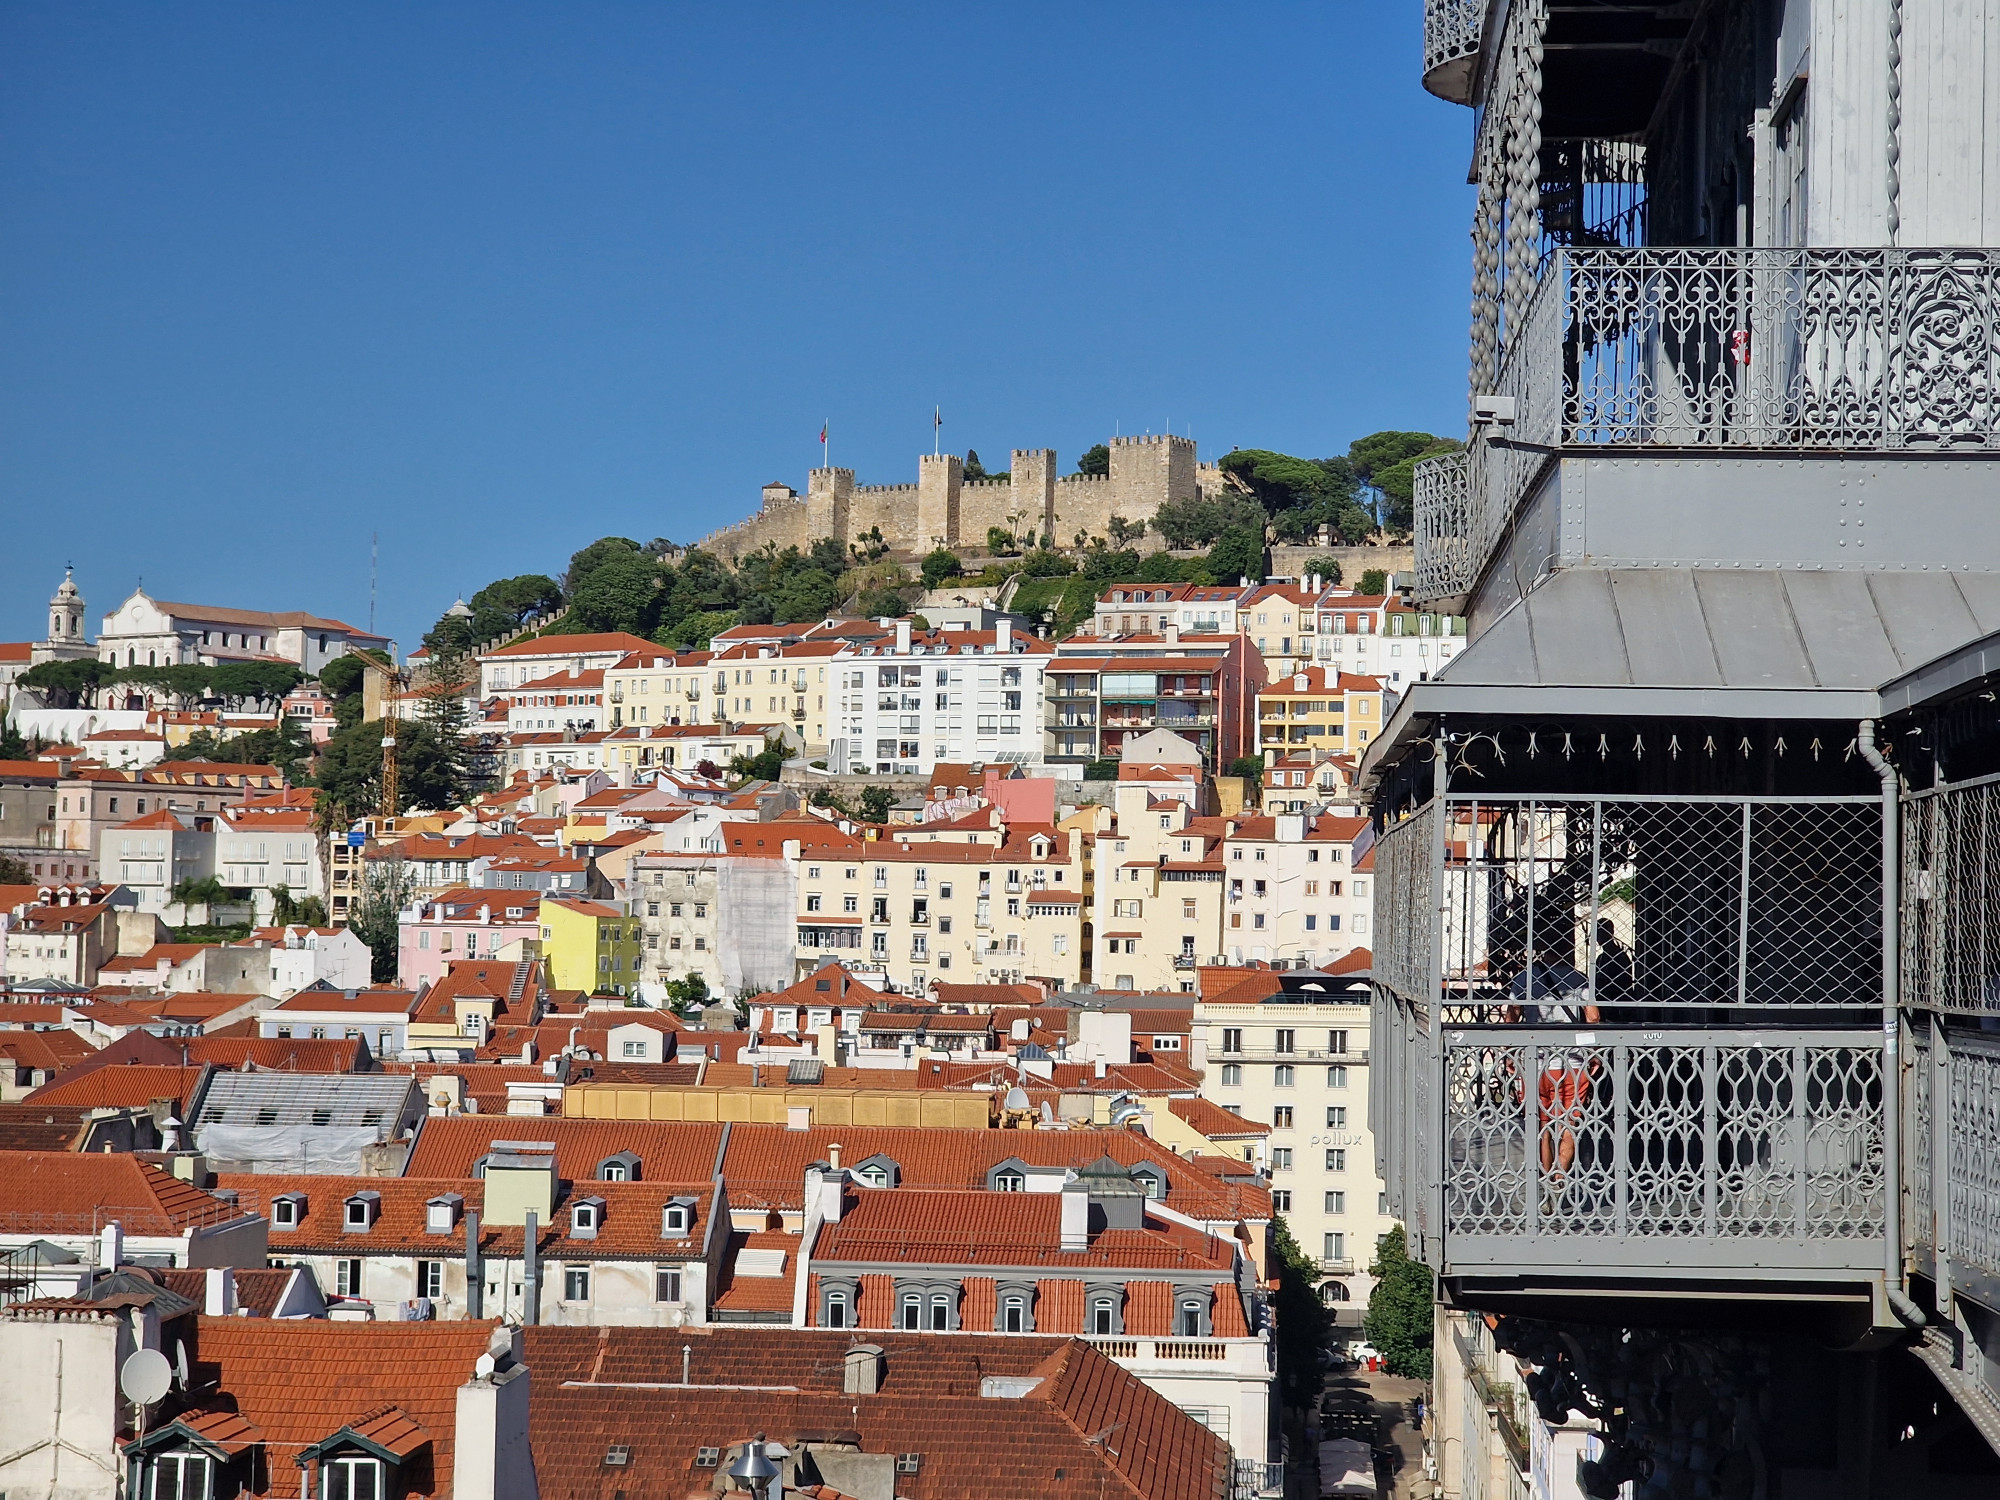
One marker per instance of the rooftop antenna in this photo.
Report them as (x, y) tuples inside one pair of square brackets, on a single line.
[(374, 537)]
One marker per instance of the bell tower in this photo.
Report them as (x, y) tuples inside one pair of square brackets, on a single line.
[(66, 640)]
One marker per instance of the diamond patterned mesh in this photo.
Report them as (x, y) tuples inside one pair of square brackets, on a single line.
[(1974, 1125), (1660, 902), (1951, 898)]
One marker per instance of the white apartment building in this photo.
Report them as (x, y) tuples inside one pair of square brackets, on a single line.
[(1296, 888), (149, 856), (257, 849), (1277, 1052), (943, 695), (724, 916)]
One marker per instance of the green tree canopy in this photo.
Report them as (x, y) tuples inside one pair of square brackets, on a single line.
[(875, 803), (377, 916), (68, 684), (243, 682), (1399, 1320), (1303, 1320), (1201, 522), (941, 563), (622, 592), (765, 765), (1374, 582), (1095, 460), (587, 560), (1238, 554)]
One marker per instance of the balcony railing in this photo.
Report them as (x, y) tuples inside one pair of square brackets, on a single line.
[(1694, 1152), (1737, 348), (1952, 1160), (1451, 47)]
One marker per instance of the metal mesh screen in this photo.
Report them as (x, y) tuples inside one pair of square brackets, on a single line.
[(1951, 898), (1405, 918), (1552, 905), (1974, 1134)]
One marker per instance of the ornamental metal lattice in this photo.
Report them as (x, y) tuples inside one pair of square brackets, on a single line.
[(1974, 1134), (1875, 349), (1406, 917), (1716, 1137)]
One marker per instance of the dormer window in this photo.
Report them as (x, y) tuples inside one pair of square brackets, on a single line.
[(586, 1217), (878, 1172), (350, 1478), (624, 1167), (1152, 1179), (441, 1213), (1104, 1311), (1009, 1181), (288, 1210), (360, 1211), (677, 1219)]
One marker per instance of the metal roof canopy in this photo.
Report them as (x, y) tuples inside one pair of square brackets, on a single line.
[(1710, 643)]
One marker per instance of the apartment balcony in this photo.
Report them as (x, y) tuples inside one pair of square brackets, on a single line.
[(1451, 47), (1730, 351), (1725, 1116)]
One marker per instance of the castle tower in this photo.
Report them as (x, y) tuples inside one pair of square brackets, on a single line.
[(1148, 471), (1035, 485), (829, 493), (940, 482), (66, 640)]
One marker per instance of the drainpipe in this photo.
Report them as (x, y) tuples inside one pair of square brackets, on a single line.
[(475, 1268), (1892, 1112)]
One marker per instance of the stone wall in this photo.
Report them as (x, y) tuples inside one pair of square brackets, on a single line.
[(944, 509)]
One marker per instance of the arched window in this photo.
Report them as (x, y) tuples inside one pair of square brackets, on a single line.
[(913, 1311), (1331, 1292)]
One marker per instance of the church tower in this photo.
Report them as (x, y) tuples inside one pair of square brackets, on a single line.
[(66, 640)]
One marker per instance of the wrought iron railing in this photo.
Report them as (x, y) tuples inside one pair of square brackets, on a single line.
[(1539, 907), (1689, 1152), (1951, 1159), (1744, 348), (1451, 46)]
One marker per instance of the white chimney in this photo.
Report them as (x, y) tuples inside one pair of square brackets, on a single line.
[(111, 1245), (220, 1301), (1003, 637), (903, 637), (826, 1188), (1075, 1217), (490, 1457)]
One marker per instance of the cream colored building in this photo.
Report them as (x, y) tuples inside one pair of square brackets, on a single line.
[(963, 905), (1157, 908), (1293, 895), (658, 687), (1300, 1064), (1319, 708)]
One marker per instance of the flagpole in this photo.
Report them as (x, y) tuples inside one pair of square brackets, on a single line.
[(937, 431)]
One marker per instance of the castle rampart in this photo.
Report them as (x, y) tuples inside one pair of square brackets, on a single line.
[(945, 509)]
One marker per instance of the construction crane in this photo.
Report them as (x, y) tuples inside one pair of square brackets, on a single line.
[(392, 698)]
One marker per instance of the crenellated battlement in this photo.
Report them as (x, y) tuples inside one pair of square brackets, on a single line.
[(945, 509)]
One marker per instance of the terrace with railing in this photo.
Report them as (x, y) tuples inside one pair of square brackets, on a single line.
[(1740, 349), (1633, 1036), (1451, 47)]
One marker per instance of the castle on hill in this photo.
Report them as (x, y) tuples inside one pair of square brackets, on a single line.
[(945, 509)]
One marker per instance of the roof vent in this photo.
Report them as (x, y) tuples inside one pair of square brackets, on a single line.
[(617, 1456)]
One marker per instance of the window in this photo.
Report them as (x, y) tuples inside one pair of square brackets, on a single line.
[(1336, 1117), (674, 1220), (1336, 1078), (350, 1479), (576, 1283), (667, 1284), (1281, 1117), (176, 1476), (1009, 1182), (1281, 1159), (347, 1278), (1281, 1076), (287, 1211), (1284, 1041), (1232, 1039), (1281, 1200), (1014, 1315), (1333, 1246), (1232, 1075), (1336, 1159), (1193, 1320), (913, 1312), (1336, 1203), (1336, 1041), (1107, 1314), (430, 1279), (836, 1310)]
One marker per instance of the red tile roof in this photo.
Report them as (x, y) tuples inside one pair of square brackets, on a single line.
[(911, 1227), (50, 1192), (571, 645), (668, 1151), (121, 1085), (1213, 1121)]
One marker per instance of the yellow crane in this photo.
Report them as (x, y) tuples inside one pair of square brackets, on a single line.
[(392, 698)]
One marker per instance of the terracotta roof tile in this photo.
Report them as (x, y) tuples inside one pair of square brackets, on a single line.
[(48, 1192)]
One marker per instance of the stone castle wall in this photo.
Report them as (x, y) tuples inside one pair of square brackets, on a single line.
[(944, 509)]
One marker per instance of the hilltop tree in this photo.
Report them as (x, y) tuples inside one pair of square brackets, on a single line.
[(1095, 461), (587, 560), (69, 684), (940, 564), (1386, 462), (622, 592)]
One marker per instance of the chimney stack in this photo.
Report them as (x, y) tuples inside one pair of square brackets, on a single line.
[(220, 1301), (863, 1373), (903, 637), (1003, 637), (1075, 1216), (490, 1458)]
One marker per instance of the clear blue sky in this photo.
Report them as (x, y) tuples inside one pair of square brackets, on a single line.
[(494, 280)]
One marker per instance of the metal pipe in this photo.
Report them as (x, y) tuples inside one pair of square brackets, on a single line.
[(475, 1268), (1892, 1117), (531, 1272)]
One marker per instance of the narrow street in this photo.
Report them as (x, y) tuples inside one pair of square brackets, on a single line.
[(1379, 1410)]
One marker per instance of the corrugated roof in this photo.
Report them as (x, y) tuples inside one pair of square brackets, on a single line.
[(325, 1099)]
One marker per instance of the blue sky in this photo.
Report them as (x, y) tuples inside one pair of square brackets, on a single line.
[(495, 280)]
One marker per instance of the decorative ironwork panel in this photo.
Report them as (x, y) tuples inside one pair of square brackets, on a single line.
[(1447, 561), (1451, 44), (1919, 1222), (1716, 1136), (1974, 1136), (1549, 907), (1406, 911)]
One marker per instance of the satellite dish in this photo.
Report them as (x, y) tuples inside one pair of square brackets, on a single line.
[(145, 1377), (1017, 1098)]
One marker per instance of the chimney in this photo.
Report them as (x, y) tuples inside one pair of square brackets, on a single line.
[(863, 1373), (475, 1268), (111, 1243), (1075, 1216), (490, 1457), (826, 1188), (1173, 635), (220, 1301), (833, 1156), (1003, 637), (903, 637)]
